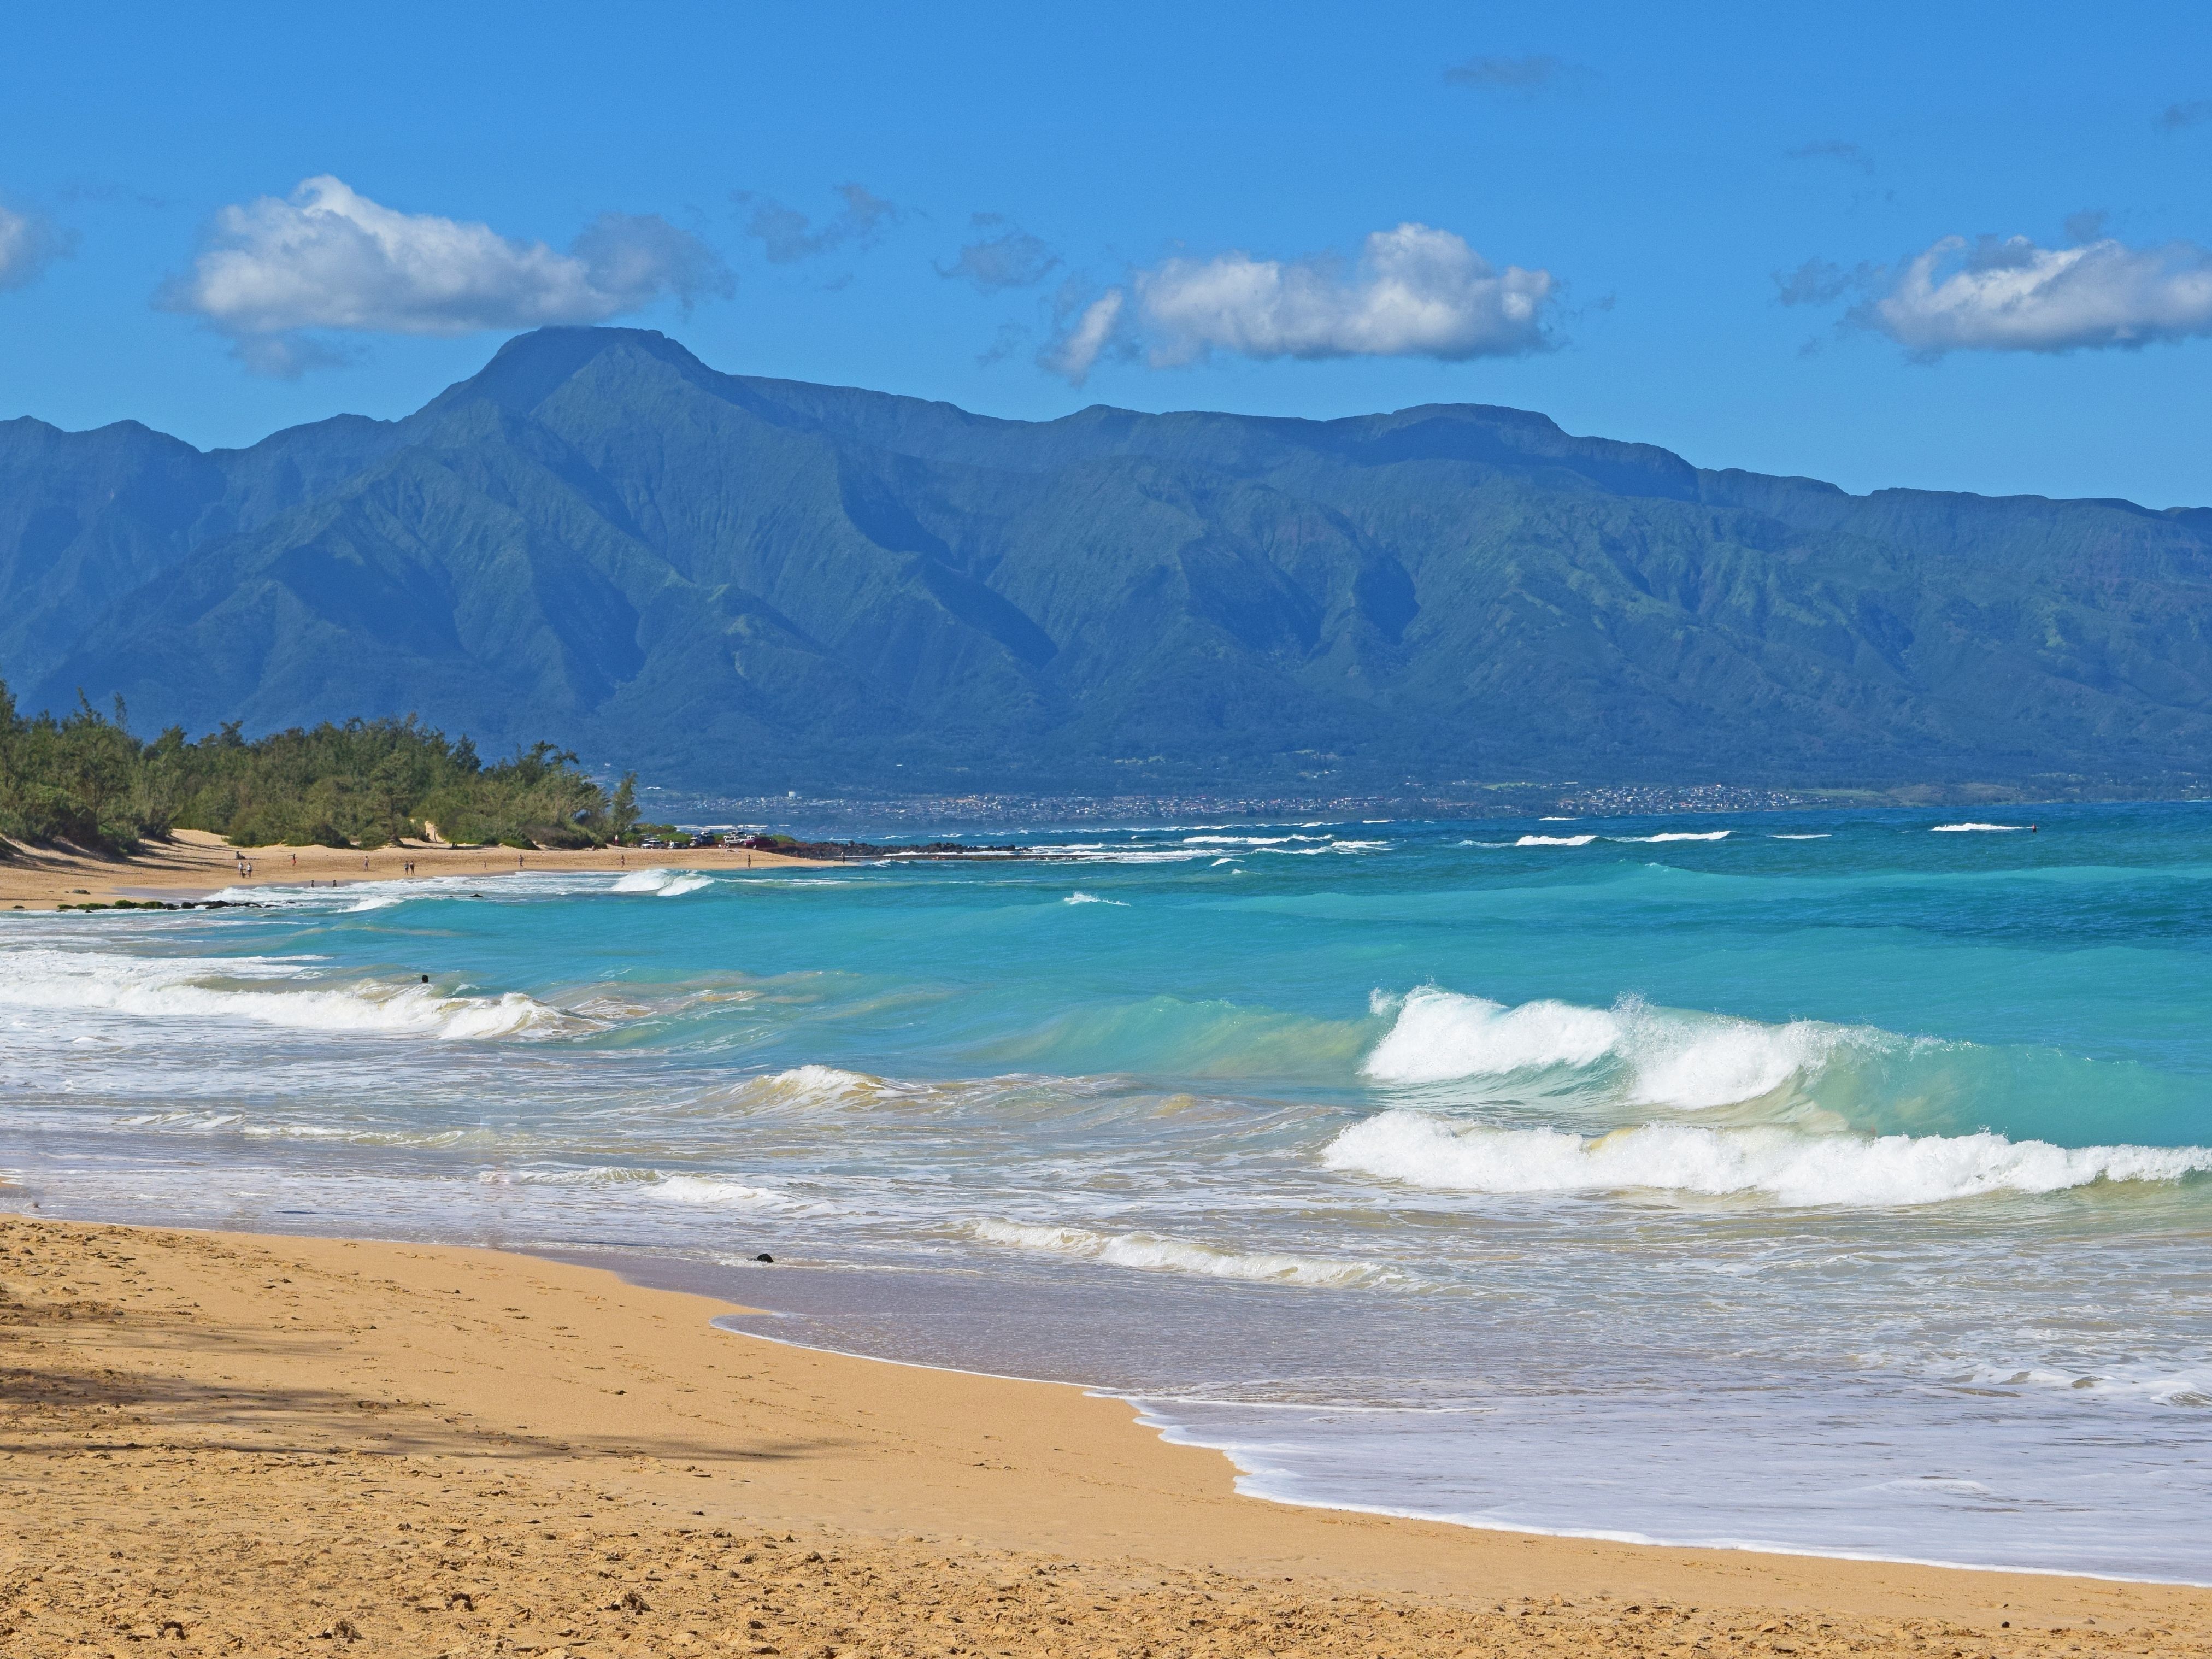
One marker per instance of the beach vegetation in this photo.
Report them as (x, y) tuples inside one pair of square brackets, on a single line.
[(84, 779)]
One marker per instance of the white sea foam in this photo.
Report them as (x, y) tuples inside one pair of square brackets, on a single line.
[(357, 1134), (1555, 841), (1157, 1253), (715, 1190), (1125, 855), (817, 1086), (1673, 1058), (666, 882), (706, 1191), (377, 901), (1438, 1035), (2165, 1384), (1679, 834), (258, 990), (1988, 829), (1093, 898), (1793, 1168), (272, 897), (1823, 836)]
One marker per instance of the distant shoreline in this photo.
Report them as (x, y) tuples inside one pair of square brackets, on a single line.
[(194, 864)]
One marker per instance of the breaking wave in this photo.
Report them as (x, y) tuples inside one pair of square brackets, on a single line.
[(1783, 1165), (714, 1190), (1154, 1253), (1555, 841), (1679, 834), (663, 883), (261, 990), (1987, 828), (1673, 1058), (1093, 898), (705, 1191), (808, 1088)]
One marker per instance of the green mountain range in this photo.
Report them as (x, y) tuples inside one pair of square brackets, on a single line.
[(737, 584)]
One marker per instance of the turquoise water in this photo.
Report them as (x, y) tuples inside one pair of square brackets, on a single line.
[(1823, 1180)]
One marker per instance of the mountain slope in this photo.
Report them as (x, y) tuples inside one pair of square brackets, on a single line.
[(745, 583)]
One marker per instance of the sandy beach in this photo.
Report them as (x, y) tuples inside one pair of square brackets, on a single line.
[(195, 864), (229, 1444)]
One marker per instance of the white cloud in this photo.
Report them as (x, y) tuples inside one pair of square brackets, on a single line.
[(28, 244), (1413, 292), (1077, 350), (328, 257), (2009, 295)]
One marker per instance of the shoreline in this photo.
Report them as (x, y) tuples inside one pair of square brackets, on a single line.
[(1168, 1432), (193, 865), (244, 1362), (641, 1277)]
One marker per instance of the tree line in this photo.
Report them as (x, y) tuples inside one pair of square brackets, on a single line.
[(83, 778)]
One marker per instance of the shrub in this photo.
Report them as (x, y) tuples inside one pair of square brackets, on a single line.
[(84, 779)]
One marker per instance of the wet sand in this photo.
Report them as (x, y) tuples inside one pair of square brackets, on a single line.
[(238, 1444), (195, 864)]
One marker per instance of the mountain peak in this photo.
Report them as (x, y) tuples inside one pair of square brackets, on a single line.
[(528, 369)]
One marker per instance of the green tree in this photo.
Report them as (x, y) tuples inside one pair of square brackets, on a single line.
[(87, 780), (621, 811)]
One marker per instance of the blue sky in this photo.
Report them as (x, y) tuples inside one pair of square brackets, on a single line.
[(1279, 208)]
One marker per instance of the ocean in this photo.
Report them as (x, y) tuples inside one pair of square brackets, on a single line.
[(1837, 1182)]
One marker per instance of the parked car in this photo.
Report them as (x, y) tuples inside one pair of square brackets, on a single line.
[(653, 842)]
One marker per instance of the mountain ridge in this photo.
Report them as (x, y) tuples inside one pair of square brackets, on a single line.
[(730, 580)]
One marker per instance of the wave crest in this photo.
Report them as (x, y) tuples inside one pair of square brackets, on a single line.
[(1792, 1168), (705, 1191), (1673, 1059), (1154, 1253), (815, 1086), (664, 883), (261, 990)]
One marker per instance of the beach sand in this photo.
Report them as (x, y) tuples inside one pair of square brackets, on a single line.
[(227, 1444), (196, 864)]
